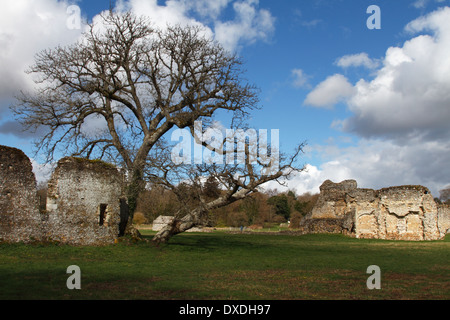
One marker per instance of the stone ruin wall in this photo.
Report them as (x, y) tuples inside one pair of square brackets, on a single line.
[(398, 213), (20, 220), (84, 203), (395, 213), (444, 218)]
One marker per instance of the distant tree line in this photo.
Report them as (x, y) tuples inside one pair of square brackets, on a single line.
[(444, 196), (258, 210)]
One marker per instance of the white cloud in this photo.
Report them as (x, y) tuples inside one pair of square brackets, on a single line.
[(357, 60), (250, 25), (410, 94), (172, 13), (420, 4), (42, 172), (376, 164), (303, 182), (27, 27), (402, 115), (334, 89), (300, 78), (207, 8)]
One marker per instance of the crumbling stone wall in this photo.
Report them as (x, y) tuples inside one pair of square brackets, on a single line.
[(331, 202), (327, 225), (85, 205), (444, 219), (20, 220), (83, 202), (397, 213)]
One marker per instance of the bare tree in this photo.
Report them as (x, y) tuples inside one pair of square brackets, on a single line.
[(444, 195), (236, 180), (132, 83)]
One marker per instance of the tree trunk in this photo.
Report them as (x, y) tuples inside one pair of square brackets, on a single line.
[(191, 220), (128, 208), (196, 217)]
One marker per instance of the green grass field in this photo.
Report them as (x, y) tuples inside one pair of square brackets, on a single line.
[(226, 266)]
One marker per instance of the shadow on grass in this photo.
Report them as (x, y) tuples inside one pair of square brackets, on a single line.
[(222, 265), (215, 242), (51, 284)]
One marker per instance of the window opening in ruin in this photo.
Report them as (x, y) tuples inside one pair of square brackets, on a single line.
[(103, 208)]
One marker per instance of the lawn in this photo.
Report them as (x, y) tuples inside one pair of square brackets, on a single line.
[(224, 266)]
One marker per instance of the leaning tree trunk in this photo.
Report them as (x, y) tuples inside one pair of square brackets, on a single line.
[(195, 217), (180, 225)]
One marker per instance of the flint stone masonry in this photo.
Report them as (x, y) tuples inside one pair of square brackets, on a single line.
[(84, 202), (444, 218), (85, 206), (331, 202), (20, 220), (395, 213)]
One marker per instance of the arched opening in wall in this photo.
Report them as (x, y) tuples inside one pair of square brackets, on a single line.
[(103, 208)]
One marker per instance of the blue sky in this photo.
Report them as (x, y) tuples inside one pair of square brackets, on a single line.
[(352, 93)]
